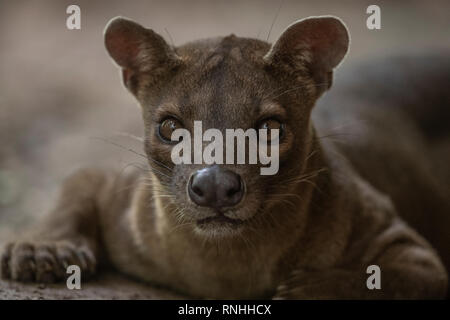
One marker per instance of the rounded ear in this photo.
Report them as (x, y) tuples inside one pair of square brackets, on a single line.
[(137, 49), (316, 43)]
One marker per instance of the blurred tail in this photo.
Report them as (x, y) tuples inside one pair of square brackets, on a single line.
[(417, 84), (418, 87)]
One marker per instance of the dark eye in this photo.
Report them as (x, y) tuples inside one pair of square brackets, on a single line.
[(167, 127), (271, 124)]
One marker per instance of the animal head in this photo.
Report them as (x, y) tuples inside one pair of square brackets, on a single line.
[(228, 83)]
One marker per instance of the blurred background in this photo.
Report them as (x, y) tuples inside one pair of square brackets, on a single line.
[(59, 90)]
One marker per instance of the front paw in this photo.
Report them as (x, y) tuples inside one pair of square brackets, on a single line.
[(45, 262)]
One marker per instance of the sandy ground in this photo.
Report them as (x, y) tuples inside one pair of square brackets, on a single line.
[(107, 286), (59, 90)]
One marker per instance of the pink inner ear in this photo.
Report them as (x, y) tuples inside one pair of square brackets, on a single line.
[(325, 37), (328, 41), (122, 43)]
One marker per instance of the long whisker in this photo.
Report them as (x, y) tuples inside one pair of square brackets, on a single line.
[(132, 151), (170, 37), (119, 146), (274, 19), (291, 89), (129, 135)]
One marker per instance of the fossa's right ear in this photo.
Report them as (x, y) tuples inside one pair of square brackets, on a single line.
[(138, 50), (315, 44)]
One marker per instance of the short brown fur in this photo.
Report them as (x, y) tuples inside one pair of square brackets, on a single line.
[(310, 231)]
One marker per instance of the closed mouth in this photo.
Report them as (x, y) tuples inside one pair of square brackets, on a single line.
[(219, 219)]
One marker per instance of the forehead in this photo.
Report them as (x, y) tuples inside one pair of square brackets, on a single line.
[(222, 82)]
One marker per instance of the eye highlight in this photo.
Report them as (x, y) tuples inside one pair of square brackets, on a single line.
[(271, 124), (167, 127)]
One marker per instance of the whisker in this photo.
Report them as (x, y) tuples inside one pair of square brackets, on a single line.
[(170, 37), (119, 146), (132, 151), (129, 135), (297, 88), (274, 19)]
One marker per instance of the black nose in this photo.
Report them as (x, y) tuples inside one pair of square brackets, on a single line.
[(215, 187)]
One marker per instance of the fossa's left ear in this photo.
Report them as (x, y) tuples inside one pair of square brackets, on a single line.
[(138, 50), (317, 44)]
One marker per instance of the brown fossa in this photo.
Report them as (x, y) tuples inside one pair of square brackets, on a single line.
[(225, 231)]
